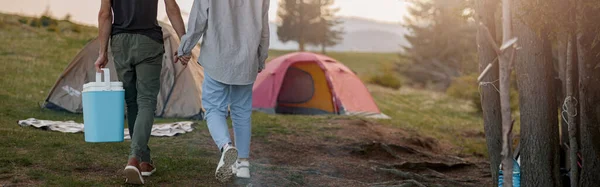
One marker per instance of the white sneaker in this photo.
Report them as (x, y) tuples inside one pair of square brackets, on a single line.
[(228, 159), (241, 169)]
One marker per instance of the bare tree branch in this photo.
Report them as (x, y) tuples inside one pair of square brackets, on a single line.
[(490, 39)]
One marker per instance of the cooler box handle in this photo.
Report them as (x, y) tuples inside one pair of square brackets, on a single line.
[(106, 77)]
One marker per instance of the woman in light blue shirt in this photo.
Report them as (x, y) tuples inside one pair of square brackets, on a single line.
[(235, 43)]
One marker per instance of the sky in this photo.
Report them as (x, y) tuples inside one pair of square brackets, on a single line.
[(85, 11)]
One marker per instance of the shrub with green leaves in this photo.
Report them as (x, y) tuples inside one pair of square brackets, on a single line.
[(24, 20), (76, 28), (47, 21), (43, 21), (35, 22), (53, 28), (386, 79), (467, 88)]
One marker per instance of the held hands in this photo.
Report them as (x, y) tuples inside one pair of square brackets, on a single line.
[(183, 59), (101, 62), (261, 67)]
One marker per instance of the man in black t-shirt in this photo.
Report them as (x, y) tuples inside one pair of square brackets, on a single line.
[(137, 48)]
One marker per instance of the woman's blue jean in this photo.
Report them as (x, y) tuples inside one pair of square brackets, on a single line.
[(216, 98)]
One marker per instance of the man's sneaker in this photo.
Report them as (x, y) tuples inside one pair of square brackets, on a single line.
[(147, 169), (132, 172), (228, 158), (241, 169)]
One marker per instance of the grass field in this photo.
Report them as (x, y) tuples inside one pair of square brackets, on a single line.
[(33, 58)]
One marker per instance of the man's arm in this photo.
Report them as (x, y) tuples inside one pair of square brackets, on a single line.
[(263, 48), (105, 18), (174, 14), (196, 27)]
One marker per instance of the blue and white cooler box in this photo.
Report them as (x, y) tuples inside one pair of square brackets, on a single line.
[(103, 110)]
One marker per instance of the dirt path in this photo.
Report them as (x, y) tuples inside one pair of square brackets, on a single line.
[(359, 153)]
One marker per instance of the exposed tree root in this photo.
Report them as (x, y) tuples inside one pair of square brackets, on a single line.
[(417, 177), (404, 183)]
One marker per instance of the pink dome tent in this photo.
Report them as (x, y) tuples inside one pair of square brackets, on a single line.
[(308, 83)]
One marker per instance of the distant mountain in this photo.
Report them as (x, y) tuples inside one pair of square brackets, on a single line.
[(361, 35)]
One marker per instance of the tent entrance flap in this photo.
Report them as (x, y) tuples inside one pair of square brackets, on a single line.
[(305, 91)]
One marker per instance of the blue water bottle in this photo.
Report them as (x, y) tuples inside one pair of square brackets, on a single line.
[(516, 175)]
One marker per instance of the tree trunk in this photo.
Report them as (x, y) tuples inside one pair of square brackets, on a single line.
[(504, 64), (301, 44), (562, 86), (571, 92), (561, 91), (562, 41), (490, 98), (571, 81), (540, 160), (303, 23), (323, 49), (589, 100)]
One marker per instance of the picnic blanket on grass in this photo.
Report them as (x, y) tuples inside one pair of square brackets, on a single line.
[(164, 129)]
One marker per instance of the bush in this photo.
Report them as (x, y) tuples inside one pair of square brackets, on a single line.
[(43, 21), (35, 23), (52, 28), (76, 28), (467, 88), (47, 21), (387, 79), (67, 18), (23, 20)]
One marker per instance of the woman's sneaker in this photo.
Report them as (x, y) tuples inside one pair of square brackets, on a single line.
[(241, 169), (228, 159)]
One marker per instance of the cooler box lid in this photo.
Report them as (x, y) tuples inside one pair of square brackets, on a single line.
[(105, 85)]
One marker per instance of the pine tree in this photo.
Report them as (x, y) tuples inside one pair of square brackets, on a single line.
[(297, 18), (325, 32), (442, 41)]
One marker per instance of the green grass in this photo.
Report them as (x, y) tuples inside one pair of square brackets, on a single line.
[(434, 115), (33, 58)]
